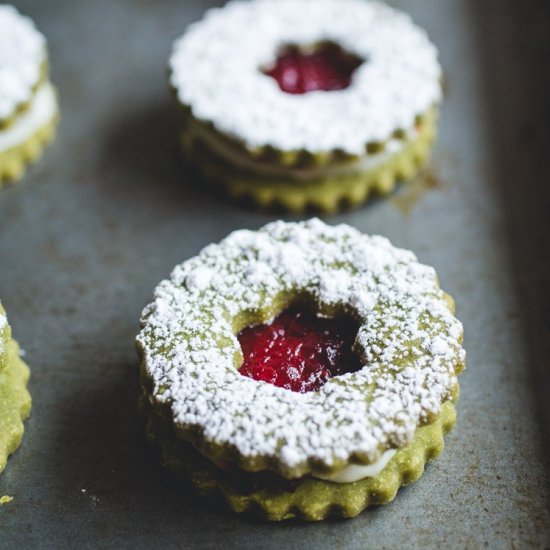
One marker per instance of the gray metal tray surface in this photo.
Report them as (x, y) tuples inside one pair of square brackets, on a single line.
[(110, 210)]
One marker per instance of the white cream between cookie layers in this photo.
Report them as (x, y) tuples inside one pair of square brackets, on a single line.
[(355, 472), (41, 112), (349, 474), (242, 161)]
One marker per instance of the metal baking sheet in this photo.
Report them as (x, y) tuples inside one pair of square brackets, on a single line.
[(110, 210)]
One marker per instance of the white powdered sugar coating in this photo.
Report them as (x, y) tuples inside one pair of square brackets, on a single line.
[(409, 342), (217, 71), (3, 352), (22, 53), (3, 324)]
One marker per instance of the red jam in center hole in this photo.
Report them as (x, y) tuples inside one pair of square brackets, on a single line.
[(327, 68), (299, 350)]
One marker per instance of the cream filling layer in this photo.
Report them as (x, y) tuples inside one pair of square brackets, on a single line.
[(355, 472), (41, 112), (244, 162)]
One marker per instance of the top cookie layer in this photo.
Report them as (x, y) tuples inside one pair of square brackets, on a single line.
[(22, 55), (409, 342), (217, 72)]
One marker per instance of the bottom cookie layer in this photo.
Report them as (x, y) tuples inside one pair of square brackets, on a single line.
[(308, 498), (15, 403), (28, 136), (326, 194)]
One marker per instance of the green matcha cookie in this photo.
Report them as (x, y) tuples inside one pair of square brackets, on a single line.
[(15, 403), (278, 110), (28, 102), (304, 359), (326, 190), (307, 498), (14, 161), (5, 336)]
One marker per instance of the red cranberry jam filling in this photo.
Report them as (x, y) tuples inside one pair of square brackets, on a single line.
[(326, 68), (299, 350)]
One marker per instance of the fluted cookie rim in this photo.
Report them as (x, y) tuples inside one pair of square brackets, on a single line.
[(14, 162), (18, 399), (298, 158), (327, 195), (394, 112), (251, 276), (302, 502)]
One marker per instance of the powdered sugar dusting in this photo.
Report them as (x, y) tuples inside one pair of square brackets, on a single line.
[(3, 339), (409, 342), (216, 70), (22, 53)]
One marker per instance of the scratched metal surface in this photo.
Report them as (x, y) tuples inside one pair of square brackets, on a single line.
[(109, 211)]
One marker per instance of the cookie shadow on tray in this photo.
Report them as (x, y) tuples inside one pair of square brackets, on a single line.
[(108, 467), (141, 161), (106, 462)]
